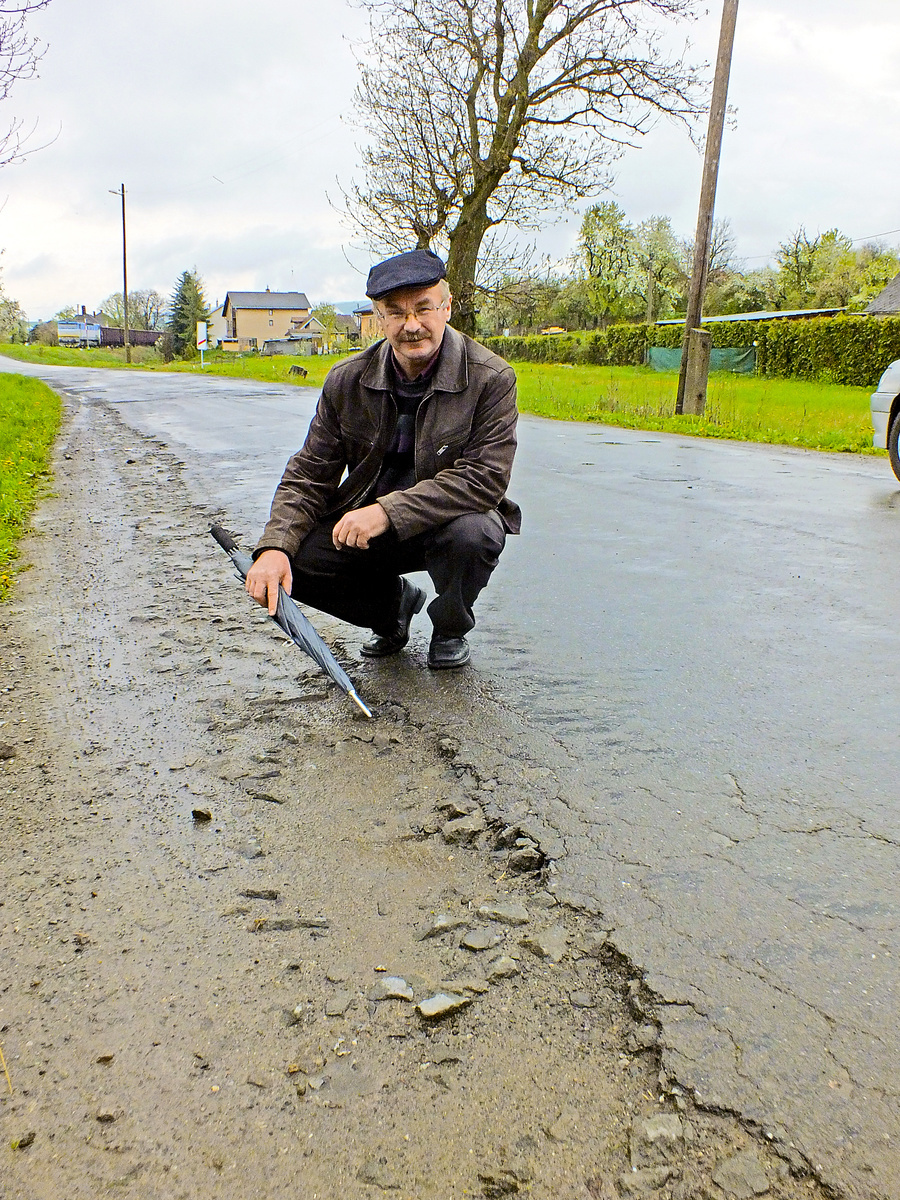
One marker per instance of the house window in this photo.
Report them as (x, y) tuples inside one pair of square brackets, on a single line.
[(270, 314), (271, 322)]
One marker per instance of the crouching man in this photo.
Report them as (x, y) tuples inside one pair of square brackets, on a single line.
[(424, 424)]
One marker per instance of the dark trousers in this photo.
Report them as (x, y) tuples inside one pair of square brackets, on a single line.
[(363, 587)]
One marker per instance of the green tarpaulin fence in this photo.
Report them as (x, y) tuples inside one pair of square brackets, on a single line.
[(739, 359)]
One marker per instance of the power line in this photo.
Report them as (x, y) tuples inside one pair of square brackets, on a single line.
[(870, 237)]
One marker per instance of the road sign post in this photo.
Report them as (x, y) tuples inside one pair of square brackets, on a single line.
[(202, 339)]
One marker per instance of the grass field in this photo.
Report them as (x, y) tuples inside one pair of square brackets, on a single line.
[(29, 419), (793, 412), (221, 362)]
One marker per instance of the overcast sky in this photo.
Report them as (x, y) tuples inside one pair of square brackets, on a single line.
[(227, 125)]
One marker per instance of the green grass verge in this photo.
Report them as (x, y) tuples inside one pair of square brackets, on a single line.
[(792, 412), (221, 362), (29, 418)]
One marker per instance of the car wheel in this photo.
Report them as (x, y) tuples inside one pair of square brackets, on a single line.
[(893, 443)]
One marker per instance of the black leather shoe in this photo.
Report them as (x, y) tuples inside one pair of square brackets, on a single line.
[(445, 653), (412, 599)]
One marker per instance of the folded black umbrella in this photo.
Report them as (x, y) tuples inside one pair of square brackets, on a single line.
[(289, 617)]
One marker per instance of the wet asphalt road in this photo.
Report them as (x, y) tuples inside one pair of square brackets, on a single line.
[(711, 631)]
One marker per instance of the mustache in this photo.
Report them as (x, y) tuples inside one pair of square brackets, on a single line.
[(414, 337)]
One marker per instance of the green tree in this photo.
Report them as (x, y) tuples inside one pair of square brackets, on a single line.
[(13, 325), (604, 260), (826, 271), (188, 306), (518, 303), (657, 274), (326, 315), (878, 266), (485, 113)]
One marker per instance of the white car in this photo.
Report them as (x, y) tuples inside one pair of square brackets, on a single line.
[(886, 414)]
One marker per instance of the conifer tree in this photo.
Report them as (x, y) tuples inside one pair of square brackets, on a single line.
[(188, 307)]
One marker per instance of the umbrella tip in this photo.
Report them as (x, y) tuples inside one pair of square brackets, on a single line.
[(356, 700)]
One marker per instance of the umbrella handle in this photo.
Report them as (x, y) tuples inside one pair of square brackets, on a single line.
[(224, 538)]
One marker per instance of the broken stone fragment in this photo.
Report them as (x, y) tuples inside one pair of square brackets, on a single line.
[(656, 1141), (391, 987), (478, 986), (23, 1141), (506, 914), (645, 1037), (528, 859), (591, 944), (456, 806), (742, 1176), (260, 893), (287, 924), (337, 1005), (442, 923), (481, 938), (643, 1181), (581, 999), (201, 815), (503, 967), (549, 943), (463, 830), (442, 1005), (506, 837)]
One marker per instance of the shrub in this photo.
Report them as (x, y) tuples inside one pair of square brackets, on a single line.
[(845, 349)]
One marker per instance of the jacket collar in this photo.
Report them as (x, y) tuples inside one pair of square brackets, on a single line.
[(450, 375)]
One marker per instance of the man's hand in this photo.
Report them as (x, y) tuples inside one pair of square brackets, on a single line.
[(273, 567), (357, 527)]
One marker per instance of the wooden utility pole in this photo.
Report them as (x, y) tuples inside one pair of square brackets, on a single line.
[(121, 192), (695, 403)]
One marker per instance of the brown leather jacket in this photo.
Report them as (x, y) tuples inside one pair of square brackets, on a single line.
[(465, 443)]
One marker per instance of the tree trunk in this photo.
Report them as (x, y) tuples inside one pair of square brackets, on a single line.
[(465, 242)]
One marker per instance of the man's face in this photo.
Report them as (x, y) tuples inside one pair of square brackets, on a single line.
[(413, 320)]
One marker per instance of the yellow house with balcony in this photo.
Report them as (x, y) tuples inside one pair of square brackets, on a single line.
[(252, 318)]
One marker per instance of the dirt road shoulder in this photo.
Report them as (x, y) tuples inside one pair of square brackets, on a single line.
[(230, 907)]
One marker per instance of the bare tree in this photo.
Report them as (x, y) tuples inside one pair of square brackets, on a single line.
[(19, 56), (485, 112), (796, 259), (146, 309)]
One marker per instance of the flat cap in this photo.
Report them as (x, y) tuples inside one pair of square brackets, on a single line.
[(414, 268)]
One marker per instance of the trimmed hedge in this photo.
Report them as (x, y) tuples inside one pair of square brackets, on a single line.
[(615, 346), (846, 350)]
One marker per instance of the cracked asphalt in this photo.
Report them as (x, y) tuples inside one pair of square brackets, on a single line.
[(695, 646)]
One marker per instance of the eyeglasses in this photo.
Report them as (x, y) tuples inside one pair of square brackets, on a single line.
[(421, 313)]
